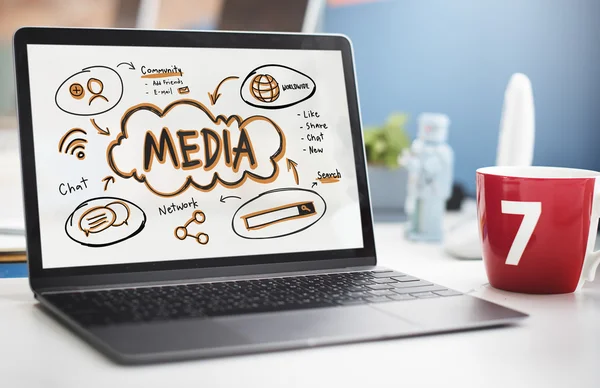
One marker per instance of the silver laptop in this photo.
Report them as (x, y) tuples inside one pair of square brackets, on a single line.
[(200, 194)]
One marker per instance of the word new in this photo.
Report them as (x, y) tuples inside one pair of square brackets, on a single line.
[(192, 204)]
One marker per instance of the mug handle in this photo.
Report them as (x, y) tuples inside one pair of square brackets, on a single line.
[(592, 258)]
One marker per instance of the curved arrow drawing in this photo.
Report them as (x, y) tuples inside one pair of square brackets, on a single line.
[(231, 196), (100, 130), (130, 64), (215, 95), (107, 180), (292, 165)]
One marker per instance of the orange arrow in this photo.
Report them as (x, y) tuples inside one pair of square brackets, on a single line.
[(100, 130), (292, 165), (215, 95), (108, 179)]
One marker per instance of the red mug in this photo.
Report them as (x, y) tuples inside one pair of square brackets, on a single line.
[(538, 227)]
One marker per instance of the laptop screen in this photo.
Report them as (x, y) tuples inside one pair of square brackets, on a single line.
[(147, 154)]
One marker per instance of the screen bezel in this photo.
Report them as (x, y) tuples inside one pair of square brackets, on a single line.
[(148, 38)]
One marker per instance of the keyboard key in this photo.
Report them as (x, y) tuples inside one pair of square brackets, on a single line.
[(380, 287), (417, 283), (406, 278), (382, 292), (401, 297), (356, 288), (360, 294), (382, 270), (353, 302), (423, 295), (387, 274), (447, 293), (384, 280), (361, 282), (410, 290), (378, 299), (357, 275)]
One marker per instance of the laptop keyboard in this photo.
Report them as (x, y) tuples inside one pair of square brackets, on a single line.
[(144, 304)]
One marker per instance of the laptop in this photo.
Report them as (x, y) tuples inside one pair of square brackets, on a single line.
[(200, 194)]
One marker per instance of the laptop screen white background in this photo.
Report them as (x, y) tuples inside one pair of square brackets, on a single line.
[(152, 154)]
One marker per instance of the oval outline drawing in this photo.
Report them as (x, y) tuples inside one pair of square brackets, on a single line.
[(87, 70), (253, 72), (271, 192), (69, 222)]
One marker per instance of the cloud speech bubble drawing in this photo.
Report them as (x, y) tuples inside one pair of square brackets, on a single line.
[(93, 90), (104, 221), (185, 145), (276, 87)]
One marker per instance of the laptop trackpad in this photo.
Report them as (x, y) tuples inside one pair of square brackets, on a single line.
[(351, 323), (169, 336)]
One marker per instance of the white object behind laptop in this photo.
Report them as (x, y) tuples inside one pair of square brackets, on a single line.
[(515, 148), (12, 227)]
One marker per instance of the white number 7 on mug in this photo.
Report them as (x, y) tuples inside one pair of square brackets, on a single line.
[(531, 212)]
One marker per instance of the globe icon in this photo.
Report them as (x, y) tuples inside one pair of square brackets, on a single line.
[(264, 88)]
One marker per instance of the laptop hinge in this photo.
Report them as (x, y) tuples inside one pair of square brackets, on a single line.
[(76, 284)]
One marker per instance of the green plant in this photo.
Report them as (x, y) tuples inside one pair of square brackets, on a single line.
[(385, 143)]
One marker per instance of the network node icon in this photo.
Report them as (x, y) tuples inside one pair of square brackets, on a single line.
[(181, 232)]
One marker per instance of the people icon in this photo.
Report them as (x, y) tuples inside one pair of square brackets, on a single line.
[(94, 87), (92, 91), (99, 87)]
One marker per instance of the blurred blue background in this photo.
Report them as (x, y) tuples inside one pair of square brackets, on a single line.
[(449, 56), (457, 56)]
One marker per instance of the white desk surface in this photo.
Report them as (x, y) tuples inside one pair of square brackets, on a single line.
[(558, 346)]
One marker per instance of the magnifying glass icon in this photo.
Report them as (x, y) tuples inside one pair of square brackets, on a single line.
[(305, 208)]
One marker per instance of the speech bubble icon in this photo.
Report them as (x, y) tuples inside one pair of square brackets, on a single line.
[(103, 221), (93, 90), (97, 219), (276, 87), (121, 211)]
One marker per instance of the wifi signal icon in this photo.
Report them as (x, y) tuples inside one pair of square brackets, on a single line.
[(73, 143)]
